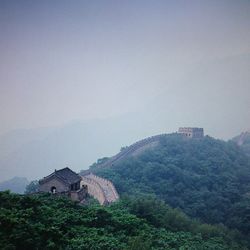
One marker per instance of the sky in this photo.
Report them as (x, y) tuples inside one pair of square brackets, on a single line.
[(82, 60)]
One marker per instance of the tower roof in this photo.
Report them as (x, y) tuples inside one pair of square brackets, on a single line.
[(65, 174)]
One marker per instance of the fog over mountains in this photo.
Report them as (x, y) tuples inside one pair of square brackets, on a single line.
[(81, 79), (15, 184), (33, 153)]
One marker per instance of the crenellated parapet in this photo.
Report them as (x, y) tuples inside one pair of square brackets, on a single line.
[(132, 149), (101, 189), (107, 186), (191, 132)]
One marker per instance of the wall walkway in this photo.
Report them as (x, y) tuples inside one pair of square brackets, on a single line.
[(131, 149), (101, 189)]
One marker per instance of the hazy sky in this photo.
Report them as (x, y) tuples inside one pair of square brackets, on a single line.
[(65, 60)]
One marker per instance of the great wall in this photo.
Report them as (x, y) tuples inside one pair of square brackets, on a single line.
[(66, 181), (133, 149), (102, 189)]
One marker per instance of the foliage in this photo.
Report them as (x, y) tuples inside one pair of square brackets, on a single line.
[(206, 178), (48, 222)]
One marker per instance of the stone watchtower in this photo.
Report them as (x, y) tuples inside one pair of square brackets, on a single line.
[(191, 132), (63, 182)]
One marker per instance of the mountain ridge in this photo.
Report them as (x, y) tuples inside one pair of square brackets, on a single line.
[(206, 178), (15, 184)]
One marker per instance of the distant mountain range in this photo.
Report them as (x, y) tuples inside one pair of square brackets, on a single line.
[(16, 185), (36, 152)]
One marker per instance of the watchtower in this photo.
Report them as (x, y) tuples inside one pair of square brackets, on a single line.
[(192, 132)]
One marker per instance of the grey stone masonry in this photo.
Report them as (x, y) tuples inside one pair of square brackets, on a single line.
[(63, 182), (101, 189), (191, 132), (131, 149)]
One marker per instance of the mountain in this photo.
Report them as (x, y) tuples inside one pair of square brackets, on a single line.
[(206, 178), (205, 94), (16, 185), (34, 153)]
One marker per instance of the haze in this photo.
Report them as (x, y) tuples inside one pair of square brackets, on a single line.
[(139, 67)]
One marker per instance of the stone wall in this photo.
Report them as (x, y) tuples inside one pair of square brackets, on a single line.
[(94, 189), (192, 132), (78, 195), (53, 182), (110, 192), (101, 189), (131, 149)]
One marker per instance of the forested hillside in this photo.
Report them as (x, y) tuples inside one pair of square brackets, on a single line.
[(181, 194), (48, 222), (206, 178)]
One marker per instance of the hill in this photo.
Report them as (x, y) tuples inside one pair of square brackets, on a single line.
[(206, 178), (16, 185)]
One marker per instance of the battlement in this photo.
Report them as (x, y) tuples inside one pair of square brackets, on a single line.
[(191, 132), (102, 189)]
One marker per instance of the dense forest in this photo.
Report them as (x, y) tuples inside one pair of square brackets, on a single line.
[(207, 179), (49, 222)]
